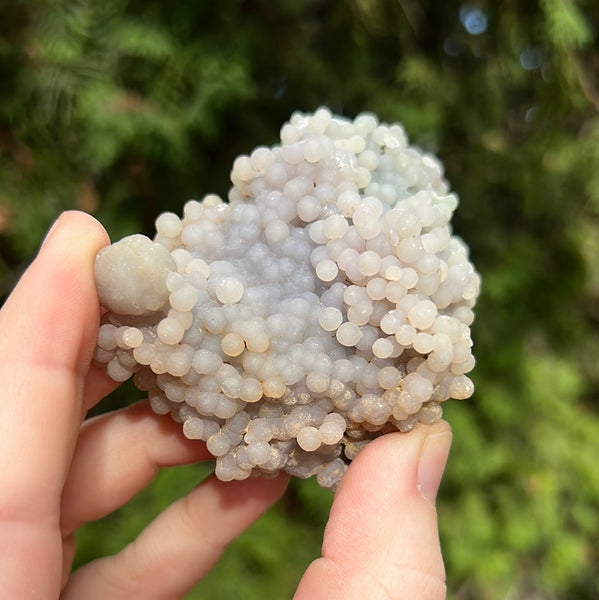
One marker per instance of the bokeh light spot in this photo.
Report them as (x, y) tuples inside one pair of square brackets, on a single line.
[(473, 19)]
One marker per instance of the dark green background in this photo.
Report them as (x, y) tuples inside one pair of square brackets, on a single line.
[(126, 108)]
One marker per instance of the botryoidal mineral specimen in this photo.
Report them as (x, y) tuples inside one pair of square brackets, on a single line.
[(325, 304)]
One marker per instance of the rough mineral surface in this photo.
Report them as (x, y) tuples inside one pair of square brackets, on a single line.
[(325, 304)]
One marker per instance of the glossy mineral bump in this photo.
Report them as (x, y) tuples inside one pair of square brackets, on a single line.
[(326, 303)]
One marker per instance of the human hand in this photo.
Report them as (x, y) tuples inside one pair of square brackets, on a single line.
[(381, 540), (57, 473)]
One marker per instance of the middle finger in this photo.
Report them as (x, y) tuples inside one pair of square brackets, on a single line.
[(117, 455)]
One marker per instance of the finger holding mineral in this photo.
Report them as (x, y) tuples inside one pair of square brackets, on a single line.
[(325, 304)]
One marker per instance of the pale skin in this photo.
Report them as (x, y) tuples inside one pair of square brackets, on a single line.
[(59, 471)]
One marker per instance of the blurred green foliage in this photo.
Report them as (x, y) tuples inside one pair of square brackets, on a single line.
[(126, 108)]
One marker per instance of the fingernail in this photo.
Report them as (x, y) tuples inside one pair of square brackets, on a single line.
[(433, 457), (50, 232)]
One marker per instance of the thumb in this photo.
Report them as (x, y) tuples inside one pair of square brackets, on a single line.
[(382, 540)]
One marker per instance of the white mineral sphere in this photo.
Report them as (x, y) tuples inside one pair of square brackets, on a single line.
[(198, 265), (290, 134), (205, 361), (229, 290), (182, 258), (327, 270), (376, 288), (410, 250), (169, 225), (407, 404), (251, 390), (159, 404), (393, 273), (218, 444), (308, 209), (423, 343), (170, 331), (242, 459), (343, 369), (276, 231), (143, 353), (332, 429), (369, 262), (273, 388), (443, 346), (131, 276), (409, 277), (317, 383), (184, 318), (257, 341), (184, 299), (238, 423), (395, 291), (366, 220), (348, 334), (449, 326), (316, 232), (405, 334), (461, 387), (107, 337), (374, 409), (102, 356), (359, 314), (430, 413), (174, 281), (308, 438), (132, 337), (335, 226), (294, 190), (423, 314), (330, 318), (389, 377), (117, 371), (355, 294), (347, 202), (193, 428), (261, 158), (243, 169), (368, 159), (313, 150), (276, 176), (382, 348), (232, 344), (175, 391), (205, 402), (464, 314), (331, 475), (258, 429), (391, 321), (227, 470), (417, 386), (258, 452), (179, 361), (461, 351), (226, 408)]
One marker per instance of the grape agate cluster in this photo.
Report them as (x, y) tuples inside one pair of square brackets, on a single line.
[(325, 304)]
